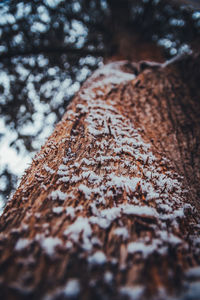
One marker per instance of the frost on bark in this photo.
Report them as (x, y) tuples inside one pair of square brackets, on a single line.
[(109, 207)]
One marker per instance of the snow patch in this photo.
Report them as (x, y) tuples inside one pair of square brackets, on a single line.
[(193, 272), (121, 231), (98, 258), (85, 190), (72, 288), (57, 210), (80, 228), (22, 244), (58, 195), (49, 244), (48, 169), (108, 277), (141, 247), (70, 211), (133, 293)]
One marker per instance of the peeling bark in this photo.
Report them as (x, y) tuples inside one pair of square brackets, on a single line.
[(109, 208)]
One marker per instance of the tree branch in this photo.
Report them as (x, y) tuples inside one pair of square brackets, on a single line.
[(52, 50)]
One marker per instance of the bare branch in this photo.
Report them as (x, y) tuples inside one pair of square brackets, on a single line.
[(52, 50)]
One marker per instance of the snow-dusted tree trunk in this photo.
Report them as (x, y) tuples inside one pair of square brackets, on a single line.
[(109, 207)]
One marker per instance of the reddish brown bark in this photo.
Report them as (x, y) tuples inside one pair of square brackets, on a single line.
[(109, 207)]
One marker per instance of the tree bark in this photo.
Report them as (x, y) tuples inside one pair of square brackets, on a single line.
[(109, 207)]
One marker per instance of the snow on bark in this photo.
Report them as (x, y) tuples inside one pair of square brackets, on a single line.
[(100, 196)]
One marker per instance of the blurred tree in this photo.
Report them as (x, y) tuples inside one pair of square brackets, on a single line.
[(48, 48)]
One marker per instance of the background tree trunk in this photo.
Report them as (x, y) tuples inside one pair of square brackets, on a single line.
[(109, 207), (126, 40)]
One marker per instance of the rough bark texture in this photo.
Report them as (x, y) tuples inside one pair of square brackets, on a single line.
[(109, 207)]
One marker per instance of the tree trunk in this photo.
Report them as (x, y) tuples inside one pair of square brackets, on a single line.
[(109, 207), (127, 41)]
